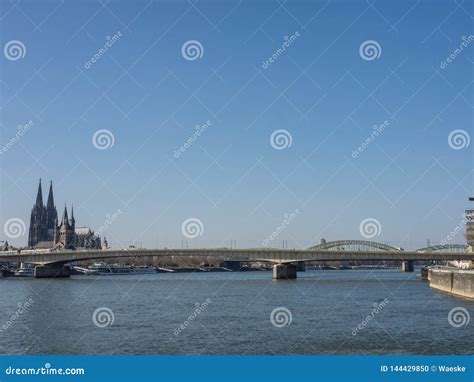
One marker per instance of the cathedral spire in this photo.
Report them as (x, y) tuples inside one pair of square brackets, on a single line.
[(73, 221), (65, 218), (39, 195), (37, 231), (51, 213), (50, 204)]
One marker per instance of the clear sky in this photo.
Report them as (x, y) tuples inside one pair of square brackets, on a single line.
[(322, 88)]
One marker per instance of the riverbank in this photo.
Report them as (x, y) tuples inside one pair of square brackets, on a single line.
[(454, 281)]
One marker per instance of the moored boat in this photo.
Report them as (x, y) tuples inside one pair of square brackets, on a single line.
[(25, 270), (119, 269)]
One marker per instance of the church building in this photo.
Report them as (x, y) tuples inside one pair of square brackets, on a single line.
[(46, 232)]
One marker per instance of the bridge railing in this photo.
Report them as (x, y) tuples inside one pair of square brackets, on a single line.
[(272, 255)]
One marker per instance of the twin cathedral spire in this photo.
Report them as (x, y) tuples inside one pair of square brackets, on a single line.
[(47, 232), (44, 221)]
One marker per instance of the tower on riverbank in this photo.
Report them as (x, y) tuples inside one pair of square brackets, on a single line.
[(470, 226)]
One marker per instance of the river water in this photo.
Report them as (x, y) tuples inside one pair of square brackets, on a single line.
[(325, 312)]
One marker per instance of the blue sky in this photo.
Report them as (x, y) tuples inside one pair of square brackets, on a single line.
[(320, 89)]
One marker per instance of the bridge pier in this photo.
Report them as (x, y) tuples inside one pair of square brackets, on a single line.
[(52, 271), (284, 271), (408, 266)]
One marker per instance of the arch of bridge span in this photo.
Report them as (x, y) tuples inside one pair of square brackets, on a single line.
[(444, 248), (355, 244)]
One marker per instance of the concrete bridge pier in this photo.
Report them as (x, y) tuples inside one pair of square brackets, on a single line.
[(408, 266), (284, 271), (52, 271)]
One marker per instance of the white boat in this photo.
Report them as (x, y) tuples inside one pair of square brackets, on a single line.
[(143, 269), (85, 271), (462, 264), (119, 269), (25, 270)]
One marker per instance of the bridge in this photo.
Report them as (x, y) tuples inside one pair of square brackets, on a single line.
[(51, 263)]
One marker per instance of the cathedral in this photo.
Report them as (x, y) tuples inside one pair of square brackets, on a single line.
[(47, 232)]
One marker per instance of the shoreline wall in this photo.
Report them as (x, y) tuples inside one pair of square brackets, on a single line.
[(458, 282)]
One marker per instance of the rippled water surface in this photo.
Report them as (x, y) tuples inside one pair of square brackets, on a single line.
[(157, 314)]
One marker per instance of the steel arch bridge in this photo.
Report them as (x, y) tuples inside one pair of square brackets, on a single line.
[(355, 245), (453, 248)]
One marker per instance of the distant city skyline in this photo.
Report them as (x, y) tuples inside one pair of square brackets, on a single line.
[(237, 120)]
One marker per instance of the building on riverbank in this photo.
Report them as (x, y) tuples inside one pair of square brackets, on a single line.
[(470, 226), (47, 232), (458, 281)]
